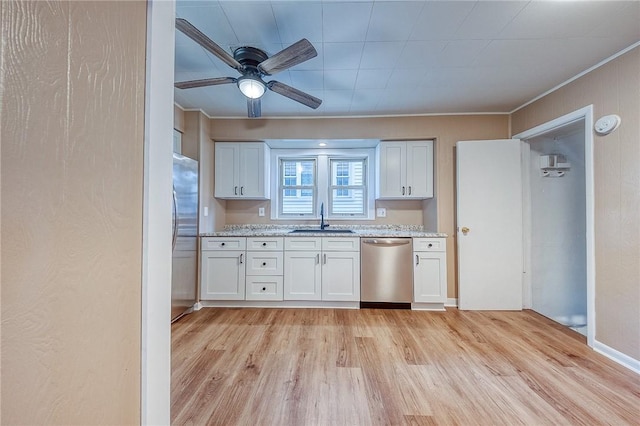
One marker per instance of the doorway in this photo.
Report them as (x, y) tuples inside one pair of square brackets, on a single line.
[(558, 221)]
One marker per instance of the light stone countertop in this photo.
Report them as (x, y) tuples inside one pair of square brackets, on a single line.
[(380, 231)]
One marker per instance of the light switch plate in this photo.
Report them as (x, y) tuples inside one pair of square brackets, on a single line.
[(381, 212), (260, 211)]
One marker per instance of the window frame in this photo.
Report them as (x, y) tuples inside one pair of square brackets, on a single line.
[(281, 187), (323, 180), (362, 187)]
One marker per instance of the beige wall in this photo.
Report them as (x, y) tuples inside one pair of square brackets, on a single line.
[(72, 114), (197, 144), (178, 119), (612, 89), (446, 130)]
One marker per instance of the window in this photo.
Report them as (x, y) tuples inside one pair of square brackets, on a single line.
[(340, 178), (347, 193), (298, 187)]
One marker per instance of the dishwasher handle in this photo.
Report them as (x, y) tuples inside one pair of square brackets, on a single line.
[(387, 242)]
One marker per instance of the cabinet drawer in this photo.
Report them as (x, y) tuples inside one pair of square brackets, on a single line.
[(429, 244), (264, 288), (265, 243), (224, 243), (341, 244), (303, 243), (264, 263)]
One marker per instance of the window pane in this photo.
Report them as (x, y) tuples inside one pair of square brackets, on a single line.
[(347, 172), (299, 203), (348, 201), (298, 172)]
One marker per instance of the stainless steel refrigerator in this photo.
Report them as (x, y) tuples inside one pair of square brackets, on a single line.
[(184, 275)]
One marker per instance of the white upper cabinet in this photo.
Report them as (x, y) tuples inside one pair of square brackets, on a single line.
[(242, 170), (405, 170)]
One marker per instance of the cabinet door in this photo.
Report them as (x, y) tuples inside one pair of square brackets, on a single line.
[(429, 277), (341, 276), (302, 275), (419, 169), (226, 170), (252, 170), (223, 275), (391, 171)]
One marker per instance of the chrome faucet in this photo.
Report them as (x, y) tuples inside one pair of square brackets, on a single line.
[(322, 224)]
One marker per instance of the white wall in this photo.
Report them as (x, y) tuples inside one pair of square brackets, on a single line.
[(558, 224)]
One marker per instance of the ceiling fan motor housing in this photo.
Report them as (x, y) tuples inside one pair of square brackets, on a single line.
[(250, 57)]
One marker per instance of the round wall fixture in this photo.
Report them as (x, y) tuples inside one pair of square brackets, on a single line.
[(607, 124)]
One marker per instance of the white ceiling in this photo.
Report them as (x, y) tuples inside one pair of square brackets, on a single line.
[(403, 57)]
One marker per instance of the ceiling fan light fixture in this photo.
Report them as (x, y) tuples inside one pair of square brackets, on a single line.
[(251, 87)]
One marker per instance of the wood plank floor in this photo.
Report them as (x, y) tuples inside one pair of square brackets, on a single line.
[(391, 367)]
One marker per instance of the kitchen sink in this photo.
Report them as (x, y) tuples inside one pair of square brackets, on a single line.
[(321, 231)]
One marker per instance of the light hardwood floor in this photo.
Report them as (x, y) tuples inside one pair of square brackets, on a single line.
[(391, 367)]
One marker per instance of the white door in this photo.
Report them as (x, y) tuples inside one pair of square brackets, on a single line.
[(392, 171), (223, 275), (341, 276), (251, 170), (226, 171), (302, 275), (429, 277), (420, 169), (489, 221)]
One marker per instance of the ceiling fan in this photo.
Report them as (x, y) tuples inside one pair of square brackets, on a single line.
[(253, 64)]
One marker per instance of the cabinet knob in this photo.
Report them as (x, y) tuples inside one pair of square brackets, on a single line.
[(430, 245), (222, 244), (264, 289), (264, 244), (264, 263)]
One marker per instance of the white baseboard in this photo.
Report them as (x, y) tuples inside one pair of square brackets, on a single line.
[(278, 304), (617, 356), (427, 307), (452, 302)]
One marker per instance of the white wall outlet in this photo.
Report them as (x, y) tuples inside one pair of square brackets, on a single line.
[(260, 211), (206, 211), (381, 212)]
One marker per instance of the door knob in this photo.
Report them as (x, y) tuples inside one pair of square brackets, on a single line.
[(465, 230)]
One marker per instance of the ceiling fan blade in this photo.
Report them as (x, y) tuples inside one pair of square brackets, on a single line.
[(295, 94), (254, 109), (196, 35), (293, 55), (205, 82)]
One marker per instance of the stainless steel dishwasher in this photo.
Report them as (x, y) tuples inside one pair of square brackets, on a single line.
[(386, 272)]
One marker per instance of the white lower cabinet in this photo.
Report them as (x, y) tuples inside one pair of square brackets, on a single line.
[(302, 275), (264, 268), (341, 276), (223, 275), (429, 270), (318, 268)]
